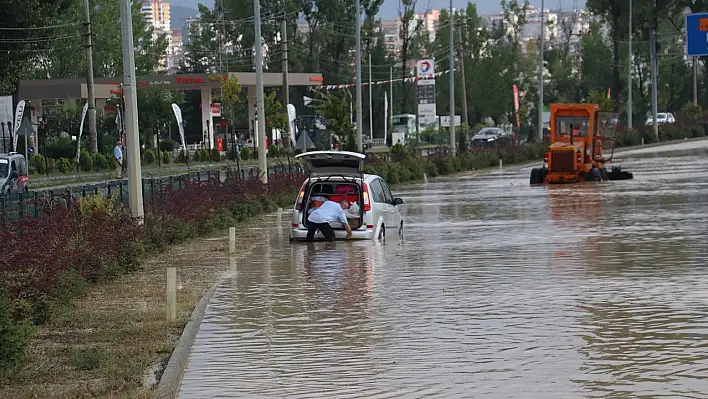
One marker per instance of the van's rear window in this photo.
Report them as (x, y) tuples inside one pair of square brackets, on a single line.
[(325, 163)]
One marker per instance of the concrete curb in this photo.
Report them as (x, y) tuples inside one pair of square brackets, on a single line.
[(171, 378)]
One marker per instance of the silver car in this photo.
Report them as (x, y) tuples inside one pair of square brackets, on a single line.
[(337, 175)]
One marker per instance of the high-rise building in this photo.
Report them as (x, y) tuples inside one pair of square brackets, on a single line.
[(157, 15)]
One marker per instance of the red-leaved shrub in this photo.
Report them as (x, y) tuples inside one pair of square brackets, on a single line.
[(91, 239)]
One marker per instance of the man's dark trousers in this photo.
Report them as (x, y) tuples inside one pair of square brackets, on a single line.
[(325, 228)]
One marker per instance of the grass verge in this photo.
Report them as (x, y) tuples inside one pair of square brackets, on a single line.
[(116, 339)]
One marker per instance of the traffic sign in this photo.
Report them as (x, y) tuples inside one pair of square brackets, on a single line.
[(697, 34), (25, 128)]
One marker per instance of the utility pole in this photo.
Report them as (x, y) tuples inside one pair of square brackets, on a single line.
[(452, 81), (540, 75), (359, 140), (286, 87), (371, 103), (654, 72), (132, 141), (390, 98), (629, 71), (260, 109), (695, 80), (463, 117), (93, 135)]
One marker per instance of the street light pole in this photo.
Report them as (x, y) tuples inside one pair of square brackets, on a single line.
[(359, 117), (540, 77), (452, 81), (629, 71), (135, 191), (260, 108)]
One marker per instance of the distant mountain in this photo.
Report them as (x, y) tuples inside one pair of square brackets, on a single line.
[(179, 14)]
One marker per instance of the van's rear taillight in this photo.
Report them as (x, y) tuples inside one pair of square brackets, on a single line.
[(367, 202), (545, 157), (300, 197)]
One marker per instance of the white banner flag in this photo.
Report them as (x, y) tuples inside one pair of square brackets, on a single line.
[(385, 116), (81, 132), (292, 116), (19, 113), (178, 116)]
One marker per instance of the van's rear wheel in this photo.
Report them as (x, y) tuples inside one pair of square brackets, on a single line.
[(382, 233), (400, 229)]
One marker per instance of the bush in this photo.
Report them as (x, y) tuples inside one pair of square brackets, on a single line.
[(85, 161), (215, 155), (245, 153), (61, 147), (103, 162), (182, 157), (149, 157), (37, 162), (166, 157), (168, 145), (273, 151), (63, 165)]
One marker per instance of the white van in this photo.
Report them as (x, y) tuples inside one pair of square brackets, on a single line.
[(337, 175)]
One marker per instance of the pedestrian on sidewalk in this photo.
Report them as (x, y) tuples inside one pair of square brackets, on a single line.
[(118, 157)]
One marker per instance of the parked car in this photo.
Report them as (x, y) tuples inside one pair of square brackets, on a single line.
[(490, 136), (337, 175), (661, 118), (14, 177)]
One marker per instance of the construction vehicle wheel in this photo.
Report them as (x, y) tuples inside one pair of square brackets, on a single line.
[(595, 175), (538, 175), (603, 172), (619, 174)]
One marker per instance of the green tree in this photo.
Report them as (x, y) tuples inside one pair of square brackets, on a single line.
[(25, 36), (274, 111), (231, 100), (155, 110), (66, 58), (334, 106)]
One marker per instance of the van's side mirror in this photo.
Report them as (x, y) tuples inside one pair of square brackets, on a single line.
[(397, 201)]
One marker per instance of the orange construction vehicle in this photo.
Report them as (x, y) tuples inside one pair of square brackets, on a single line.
[(582, 142)]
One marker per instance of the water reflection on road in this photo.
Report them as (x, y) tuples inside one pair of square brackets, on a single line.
[(497, 290)]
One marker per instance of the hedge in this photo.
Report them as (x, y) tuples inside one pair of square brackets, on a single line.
[(408, 167)]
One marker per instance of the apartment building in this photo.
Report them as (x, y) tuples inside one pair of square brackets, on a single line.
[(157, 15)]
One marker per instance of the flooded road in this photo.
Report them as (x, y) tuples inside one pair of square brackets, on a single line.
[(497, 290)]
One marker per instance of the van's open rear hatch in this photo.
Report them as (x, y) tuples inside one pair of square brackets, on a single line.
[(333, 163), (336, 189)]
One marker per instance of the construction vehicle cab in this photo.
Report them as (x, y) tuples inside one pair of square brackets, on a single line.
[(582, 143)]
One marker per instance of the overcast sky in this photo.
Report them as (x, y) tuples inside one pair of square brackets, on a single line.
[(389, 9)]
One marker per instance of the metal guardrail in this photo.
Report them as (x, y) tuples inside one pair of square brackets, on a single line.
[(15, 206)]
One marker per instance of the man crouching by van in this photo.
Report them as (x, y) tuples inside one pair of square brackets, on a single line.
[(322, 217)]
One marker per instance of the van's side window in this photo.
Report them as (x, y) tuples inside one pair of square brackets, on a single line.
[(387, 192), (377, 192)]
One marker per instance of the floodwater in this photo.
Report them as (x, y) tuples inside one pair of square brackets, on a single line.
[(497, 290)]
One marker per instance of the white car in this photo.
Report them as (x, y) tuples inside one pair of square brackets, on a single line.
[(661, 118), (337, 175)]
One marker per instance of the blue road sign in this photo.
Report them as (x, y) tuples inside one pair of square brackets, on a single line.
[(697, 35)]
